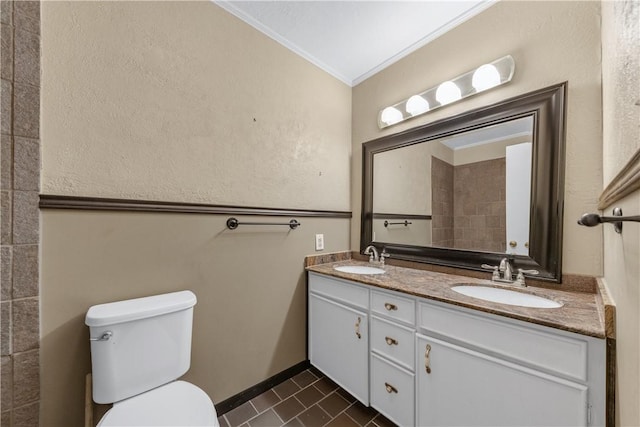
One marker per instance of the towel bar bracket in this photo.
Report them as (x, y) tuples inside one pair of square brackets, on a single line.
[(591, 220)]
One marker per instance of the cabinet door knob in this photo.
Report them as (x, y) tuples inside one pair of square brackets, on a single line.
[(390, 306), (390, 388), (427, 361), (391, 341), (358, 328)]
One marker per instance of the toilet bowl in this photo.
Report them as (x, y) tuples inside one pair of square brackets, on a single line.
[(139, 349), (175, 404)]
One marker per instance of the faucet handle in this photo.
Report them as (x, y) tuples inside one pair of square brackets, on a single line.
[(384, 255), (520, 276), (496, 274)]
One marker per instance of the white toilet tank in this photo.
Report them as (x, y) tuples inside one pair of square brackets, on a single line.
[(139, 344)]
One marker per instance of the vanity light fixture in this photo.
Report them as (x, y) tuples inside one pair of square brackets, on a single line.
[(417, 105), (475, 81), (447, 93)]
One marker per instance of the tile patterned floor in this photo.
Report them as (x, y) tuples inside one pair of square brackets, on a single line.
[(307, 400)]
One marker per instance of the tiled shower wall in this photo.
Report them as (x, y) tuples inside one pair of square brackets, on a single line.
[(442, 203), (480, 206), (469, 205), (20, 185)]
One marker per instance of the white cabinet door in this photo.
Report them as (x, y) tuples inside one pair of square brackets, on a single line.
[(465, 387), (339, 344)]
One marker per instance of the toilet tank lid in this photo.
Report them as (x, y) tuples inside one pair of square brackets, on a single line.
[(139, 308)]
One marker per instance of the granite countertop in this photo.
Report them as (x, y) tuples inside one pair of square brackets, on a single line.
[(580, 313)]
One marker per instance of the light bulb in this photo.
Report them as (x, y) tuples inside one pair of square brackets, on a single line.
[(447, 93), (391, 116), (417, 105), (485, 77)]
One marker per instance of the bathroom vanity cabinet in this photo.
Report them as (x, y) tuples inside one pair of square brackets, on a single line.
[(339, 334), (427, 363)]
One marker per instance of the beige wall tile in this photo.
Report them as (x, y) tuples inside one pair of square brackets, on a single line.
[(27, 416), (6, 52), (5, 331), (6, 107), (26, 328), (27, 57), (6, 383), (26, 114), (27, 16), (6, 214), (6, 157), (26, 378), (6, 272), (26, 223), (26, 164), (6, 11), (5, 418), (20, 114), (25, 271)]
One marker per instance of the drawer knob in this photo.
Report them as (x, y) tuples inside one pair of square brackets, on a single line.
[(390, 388), (427, 361), (391, 341), (390, 306), (358, 328)]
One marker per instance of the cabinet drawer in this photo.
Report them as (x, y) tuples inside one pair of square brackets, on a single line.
[(392, 391), (393, 306), (338, 290), (393, 341), (553, 351)]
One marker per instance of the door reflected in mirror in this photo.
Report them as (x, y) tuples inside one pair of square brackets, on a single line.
[(468, 191)]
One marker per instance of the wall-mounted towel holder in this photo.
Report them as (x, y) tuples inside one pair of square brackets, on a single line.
[(233, 223), (405, 223), (593, 219)]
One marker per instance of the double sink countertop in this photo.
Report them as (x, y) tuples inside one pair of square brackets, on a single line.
[(581, 312)]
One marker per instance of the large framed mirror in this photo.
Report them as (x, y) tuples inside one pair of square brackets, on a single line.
[(472, 189)]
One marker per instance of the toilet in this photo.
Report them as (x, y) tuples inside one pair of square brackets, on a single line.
[(139, 349)]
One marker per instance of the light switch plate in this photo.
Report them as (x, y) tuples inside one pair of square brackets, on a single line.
[(319, 242)]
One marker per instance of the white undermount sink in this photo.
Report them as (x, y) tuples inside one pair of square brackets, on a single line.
[(359, 269), (505, 296)]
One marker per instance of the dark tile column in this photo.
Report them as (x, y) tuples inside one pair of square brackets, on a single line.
[(19, 216)]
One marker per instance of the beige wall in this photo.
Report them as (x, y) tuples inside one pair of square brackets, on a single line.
[(401, 183), (621, 139), (551, 42), (250, 320), (133, 91), (480, 153), (180, 101)]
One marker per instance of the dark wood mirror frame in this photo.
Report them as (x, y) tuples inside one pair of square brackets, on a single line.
[(547, 106)]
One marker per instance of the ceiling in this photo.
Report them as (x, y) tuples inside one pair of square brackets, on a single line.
[(489, 134), (353, 40)]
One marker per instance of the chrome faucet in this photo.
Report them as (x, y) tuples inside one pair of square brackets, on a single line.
[(373, 253), (506, 269), (374, 257), (504, 272)]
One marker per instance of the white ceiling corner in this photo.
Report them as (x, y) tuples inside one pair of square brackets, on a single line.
[(353, 40)]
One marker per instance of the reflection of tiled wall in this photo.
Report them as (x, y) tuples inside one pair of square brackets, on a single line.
[(479, 205), (20, 184), (441, 203)]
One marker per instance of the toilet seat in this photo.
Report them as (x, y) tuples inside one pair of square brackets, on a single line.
[(178, 403)]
